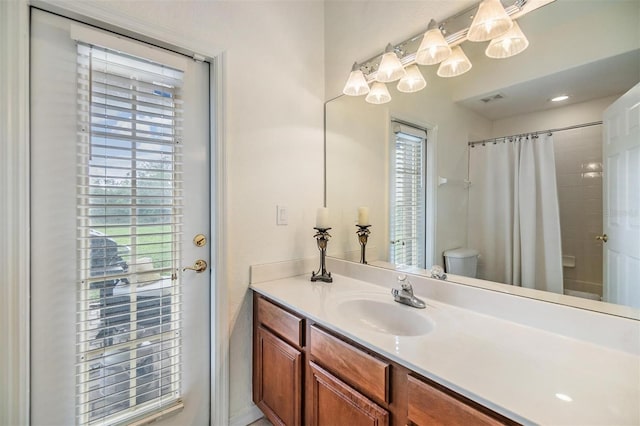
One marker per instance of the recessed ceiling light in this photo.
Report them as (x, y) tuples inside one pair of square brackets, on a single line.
[(564, 397), (560, 98)]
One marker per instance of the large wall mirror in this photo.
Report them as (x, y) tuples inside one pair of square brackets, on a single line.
[(429, 193)]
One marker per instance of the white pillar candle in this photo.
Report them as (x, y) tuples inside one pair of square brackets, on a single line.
[(363, 216), (322, 218)]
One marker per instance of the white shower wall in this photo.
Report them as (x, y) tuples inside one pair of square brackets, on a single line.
[(579, 174), (578, 170)]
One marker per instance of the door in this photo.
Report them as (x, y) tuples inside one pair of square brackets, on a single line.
[(119, 188), (621, 208)]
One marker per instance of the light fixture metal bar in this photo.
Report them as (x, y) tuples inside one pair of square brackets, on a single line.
[(454, 29)]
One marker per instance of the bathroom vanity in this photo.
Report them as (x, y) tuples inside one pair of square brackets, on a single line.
[(306, 374), (346, 353)]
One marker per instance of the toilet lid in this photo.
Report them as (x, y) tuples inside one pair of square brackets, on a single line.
[(462, 252)]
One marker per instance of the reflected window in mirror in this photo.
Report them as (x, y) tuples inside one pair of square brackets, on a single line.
[(407, 206)]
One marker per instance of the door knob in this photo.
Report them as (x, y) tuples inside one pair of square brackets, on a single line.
[(602, 238), (199, 266)]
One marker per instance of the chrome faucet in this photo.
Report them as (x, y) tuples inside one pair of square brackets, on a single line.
[(405, 295), (438, 273)]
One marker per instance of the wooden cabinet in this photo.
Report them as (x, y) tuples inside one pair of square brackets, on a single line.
[(277, 366), (304, 374), (352, 365), (288, 326), (429, 405), (335, 403)]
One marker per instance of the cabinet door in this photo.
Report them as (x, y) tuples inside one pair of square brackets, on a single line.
[(334, 403), (278, 379)]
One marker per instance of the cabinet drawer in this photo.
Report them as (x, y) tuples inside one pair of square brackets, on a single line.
[(431, 406), (364, 372), (281, 322)]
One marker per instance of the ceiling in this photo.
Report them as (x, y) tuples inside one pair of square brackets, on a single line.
[(606, 77)]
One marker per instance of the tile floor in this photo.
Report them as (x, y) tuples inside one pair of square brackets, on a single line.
[(261, 422)]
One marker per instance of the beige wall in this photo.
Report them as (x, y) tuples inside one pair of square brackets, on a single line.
[(357, 143)]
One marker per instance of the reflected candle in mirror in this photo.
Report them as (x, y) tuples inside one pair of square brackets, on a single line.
[(322, 218), (363, 216)]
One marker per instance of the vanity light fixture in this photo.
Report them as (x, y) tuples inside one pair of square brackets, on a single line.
[(490, 21), (508, 44), (413, 80), (440, 43), (454, 65), (379, 94), (391, 69), (433, 48), (560, 98), (356, 83)]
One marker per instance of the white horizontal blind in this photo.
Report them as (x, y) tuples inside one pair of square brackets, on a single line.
[(129, 224), (408, 198)]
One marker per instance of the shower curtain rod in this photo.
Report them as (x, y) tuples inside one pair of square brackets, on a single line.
[(494, 140)]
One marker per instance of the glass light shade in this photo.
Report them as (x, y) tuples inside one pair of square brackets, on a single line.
[(390, 68), (490, 21), (454, 65), (378, 94), (508, 44), (356, 84), (412, 81), (434, 48)]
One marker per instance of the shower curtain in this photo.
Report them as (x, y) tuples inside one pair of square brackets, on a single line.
[(514, 218)]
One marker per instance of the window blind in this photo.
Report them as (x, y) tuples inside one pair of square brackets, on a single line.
[(129, 225), (407, 224)]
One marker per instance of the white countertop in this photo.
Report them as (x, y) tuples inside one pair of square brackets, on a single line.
[(522, 372)]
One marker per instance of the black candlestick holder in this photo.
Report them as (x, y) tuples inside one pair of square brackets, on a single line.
[(363, 236), (322, 237)]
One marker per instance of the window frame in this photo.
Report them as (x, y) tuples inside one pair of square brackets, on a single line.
[(410, 133)]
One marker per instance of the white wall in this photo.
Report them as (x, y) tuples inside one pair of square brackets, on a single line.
[(273, 111)]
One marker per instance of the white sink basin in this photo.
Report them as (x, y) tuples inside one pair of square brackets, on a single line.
[(387, 317)]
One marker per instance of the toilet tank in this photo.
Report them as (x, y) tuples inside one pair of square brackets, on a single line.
[(461, 261)]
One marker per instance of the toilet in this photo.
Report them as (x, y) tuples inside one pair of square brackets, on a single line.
[(461, 261)]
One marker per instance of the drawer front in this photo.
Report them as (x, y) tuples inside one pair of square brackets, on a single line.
[(430, 406), (360, 370), (281, 322)]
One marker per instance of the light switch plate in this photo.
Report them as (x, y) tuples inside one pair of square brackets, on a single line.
[(282, 215)]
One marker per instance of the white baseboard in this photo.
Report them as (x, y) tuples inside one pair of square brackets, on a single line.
[(247, 416)]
